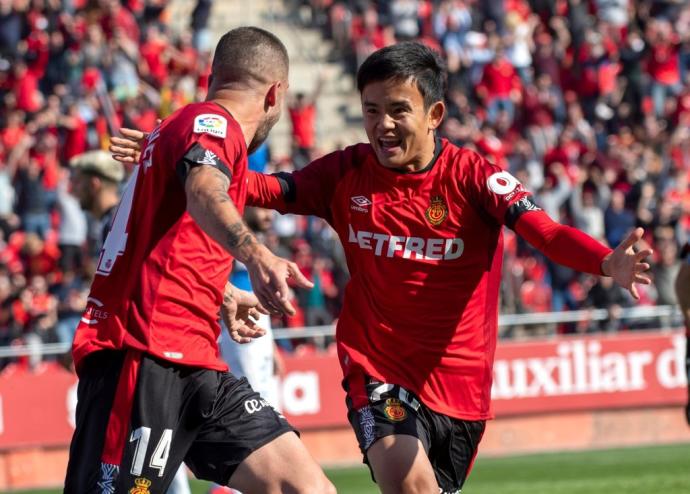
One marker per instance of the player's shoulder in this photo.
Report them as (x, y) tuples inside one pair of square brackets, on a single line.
[(349, 158), (205, 118), (464, 163), (461, 157), (357, 154)]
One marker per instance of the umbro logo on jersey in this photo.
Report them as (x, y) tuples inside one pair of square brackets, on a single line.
[(360, 203), (209, 158)]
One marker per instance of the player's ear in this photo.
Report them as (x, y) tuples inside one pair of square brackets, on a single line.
[(271, 99), (435, 114)]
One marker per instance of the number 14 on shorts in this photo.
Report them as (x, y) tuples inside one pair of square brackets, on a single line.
[(159, 458)]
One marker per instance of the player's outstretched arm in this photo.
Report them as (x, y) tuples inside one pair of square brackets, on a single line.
[(577, 250), (240, 310), (210, 205)]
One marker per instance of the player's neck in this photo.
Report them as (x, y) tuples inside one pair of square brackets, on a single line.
[(424, 158), (242, 106)]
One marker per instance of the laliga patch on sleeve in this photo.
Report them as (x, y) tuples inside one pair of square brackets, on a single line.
[(502, 183), (210, 123)]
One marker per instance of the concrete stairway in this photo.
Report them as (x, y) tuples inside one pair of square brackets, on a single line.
[(338, 120)]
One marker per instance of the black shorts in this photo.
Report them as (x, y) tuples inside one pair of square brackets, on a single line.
[(451, 444), (139, 417)]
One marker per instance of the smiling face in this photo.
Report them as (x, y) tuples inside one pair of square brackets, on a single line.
[(399, 127)]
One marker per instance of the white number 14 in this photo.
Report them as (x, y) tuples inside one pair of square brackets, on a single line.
[(160, 455)]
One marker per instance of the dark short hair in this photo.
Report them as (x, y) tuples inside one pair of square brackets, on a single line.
[(405, 61), (249, 54)]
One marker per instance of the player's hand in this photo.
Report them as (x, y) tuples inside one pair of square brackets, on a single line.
[(626, 266), (269, 274), (127, 149), (240, 310)]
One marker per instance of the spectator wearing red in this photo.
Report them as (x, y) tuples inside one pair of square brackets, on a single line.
[(75, 133), (28, 97), (500, 87), (117, 17), (154, 56), (302, 109), (663, 64)]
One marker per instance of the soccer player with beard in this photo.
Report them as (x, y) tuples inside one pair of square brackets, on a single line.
[(153, 390), (421, 223)]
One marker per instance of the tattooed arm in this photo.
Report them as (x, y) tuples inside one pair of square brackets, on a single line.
[(210, 205)]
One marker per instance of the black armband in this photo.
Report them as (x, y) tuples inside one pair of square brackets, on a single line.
[(287, 186), (519, 208), (198, 155)]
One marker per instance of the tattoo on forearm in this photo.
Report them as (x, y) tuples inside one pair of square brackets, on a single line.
[(239, 236), (219, 192), (213, 199)]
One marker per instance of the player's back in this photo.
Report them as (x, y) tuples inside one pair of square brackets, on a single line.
[(160, 278)]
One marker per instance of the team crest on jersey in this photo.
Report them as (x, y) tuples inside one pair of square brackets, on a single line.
[(437, 212), (209, 123), (141, 486), (394, 410)]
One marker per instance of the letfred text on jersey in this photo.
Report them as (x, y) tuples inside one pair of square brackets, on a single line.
[(427, 249)]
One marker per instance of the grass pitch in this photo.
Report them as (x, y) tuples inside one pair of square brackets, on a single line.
[(650, 470)]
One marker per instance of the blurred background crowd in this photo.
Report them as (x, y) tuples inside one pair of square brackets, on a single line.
[(587, 102)]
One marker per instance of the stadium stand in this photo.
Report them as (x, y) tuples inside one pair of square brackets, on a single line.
[(586, 102)]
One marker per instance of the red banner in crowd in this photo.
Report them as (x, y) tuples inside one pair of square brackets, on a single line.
[(565, 374)]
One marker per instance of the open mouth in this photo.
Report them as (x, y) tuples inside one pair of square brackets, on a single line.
[(389, 144)]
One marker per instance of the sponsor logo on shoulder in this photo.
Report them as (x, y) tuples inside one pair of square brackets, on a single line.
[(502, 183), (360, 203), (209, 123)]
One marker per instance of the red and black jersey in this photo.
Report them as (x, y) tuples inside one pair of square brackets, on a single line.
[(424, 251), (160, 278)]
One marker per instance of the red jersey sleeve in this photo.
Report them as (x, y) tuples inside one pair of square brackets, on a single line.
[(505, 200), (497, 193), (208, 149), (562, 244), (306, 191)]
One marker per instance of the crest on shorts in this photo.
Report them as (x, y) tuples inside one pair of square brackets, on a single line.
[(437, 212), (394, 410), (141, 486)]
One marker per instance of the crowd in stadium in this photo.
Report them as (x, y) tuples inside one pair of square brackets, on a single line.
[(586, 102)]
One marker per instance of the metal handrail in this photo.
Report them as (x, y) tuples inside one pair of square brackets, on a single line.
[(644, 312)]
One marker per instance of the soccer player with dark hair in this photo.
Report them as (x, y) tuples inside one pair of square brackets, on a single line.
[(420, 220), (683, 294), (153, 390)]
